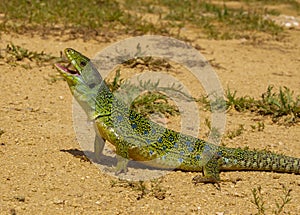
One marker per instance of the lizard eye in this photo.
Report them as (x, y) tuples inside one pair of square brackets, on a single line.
[(70, 51), (82, 63)]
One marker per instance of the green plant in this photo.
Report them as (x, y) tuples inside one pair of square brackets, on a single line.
[(258, 200), (276, 105), (279, 104), (260, 126), (152, 188), (216, 19), (284, 200), (238, 103), (149, 103), (15, 54), (237, 132), (116, 82), (151, 100)]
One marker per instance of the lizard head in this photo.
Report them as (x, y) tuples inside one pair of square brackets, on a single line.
[(84, 73), (84, 80)]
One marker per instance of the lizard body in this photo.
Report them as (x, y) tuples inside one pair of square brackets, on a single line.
[(140, 139)]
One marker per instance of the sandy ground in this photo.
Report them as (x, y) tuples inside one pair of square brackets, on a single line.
[(42, 170)]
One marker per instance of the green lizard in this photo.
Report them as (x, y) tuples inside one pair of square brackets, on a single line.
[(140, 139)]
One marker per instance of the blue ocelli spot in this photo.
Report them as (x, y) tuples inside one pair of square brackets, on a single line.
[(119, 118), (181, 153), (198, 157), (188, 143), (133, 126), (176, 145), (159, 140), (180, 160), (164, 148), (148, 141), (153, 131), (151, 152), (146, 132), (206, 148), (190, 149)]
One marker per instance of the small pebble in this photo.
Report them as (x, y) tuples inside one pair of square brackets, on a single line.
[(20, 198), (58, 201)]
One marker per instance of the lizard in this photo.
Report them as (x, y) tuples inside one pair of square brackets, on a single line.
[(138, 138)]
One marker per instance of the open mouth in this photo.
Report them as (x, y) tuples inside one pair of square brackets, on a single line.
[(67, 69)]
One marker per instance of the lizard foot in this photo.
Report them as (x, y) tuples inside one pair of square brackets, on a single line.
[(206, 179), (121, 166)]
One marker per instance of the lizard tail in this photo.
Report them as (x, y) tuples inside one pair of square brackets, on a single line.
[(238, 159)]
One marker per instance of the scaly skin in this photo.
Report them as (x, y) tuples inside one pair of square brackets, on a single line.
[(137, 138)]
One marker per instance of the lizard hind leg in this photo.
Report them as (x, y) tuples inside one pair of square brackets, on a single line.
[(211, 172)]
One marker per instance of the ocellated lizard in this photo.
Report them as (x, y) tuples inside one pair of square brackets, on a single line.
[(138, 138)]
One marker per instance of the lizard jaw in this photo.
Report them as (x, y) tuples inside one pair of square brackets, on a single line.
[(66, 70)]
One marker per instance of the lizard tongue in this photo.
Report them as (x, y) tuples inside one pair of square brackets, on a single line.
[(66, 69)]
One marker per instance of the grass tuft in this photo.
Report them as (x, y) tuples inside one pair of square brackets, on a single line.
[(278, 105), (147, 103), (14, 54), (216, 20), (151, 188), (259, 202)]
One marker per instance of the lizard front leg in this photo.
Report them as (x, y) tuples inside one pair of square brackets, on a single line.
[(98, 147)]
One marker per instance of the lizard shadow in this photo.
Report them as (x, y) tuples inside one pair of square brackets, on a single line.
[(89, 156), (105, 160)]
